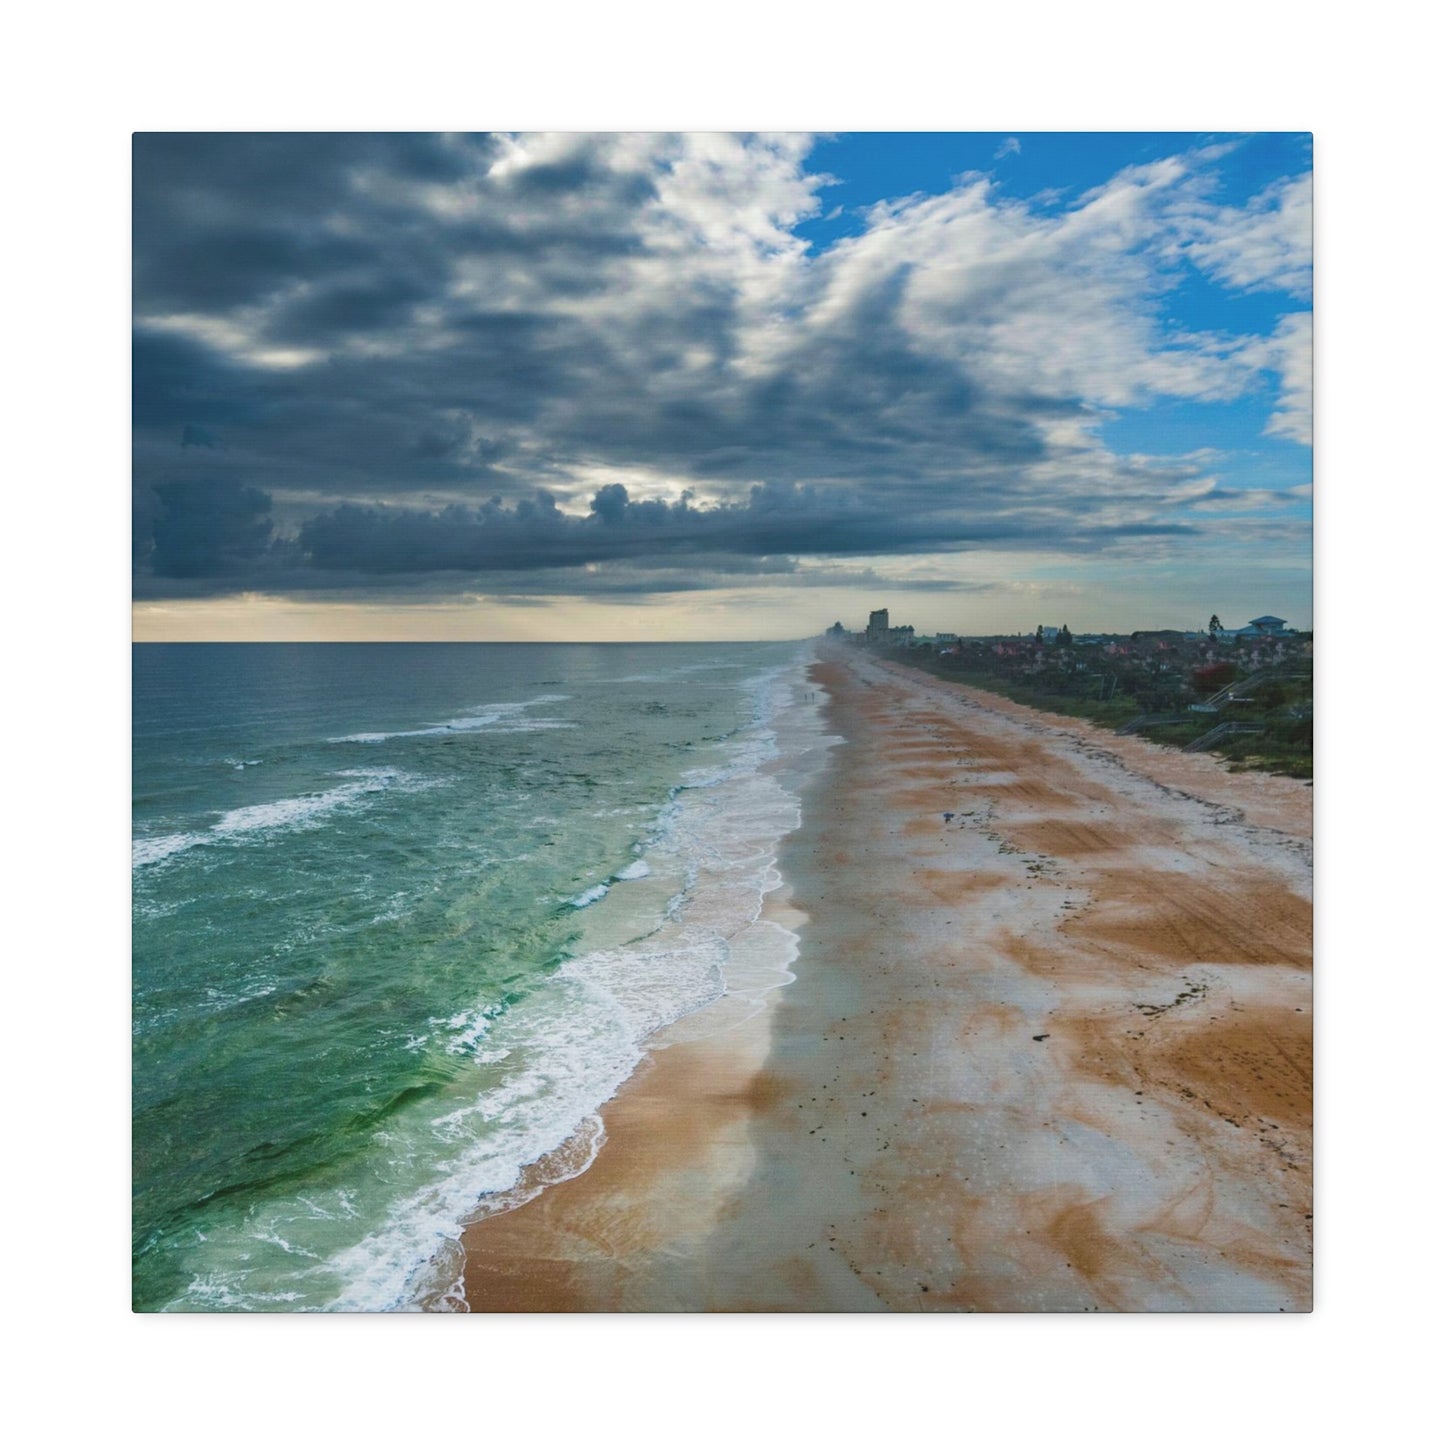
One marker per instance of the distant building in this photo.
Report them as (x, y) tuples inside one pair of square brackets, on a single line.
[(1049, 634), (877, 625), (836, 630), (1161, 639), (1258, 627)]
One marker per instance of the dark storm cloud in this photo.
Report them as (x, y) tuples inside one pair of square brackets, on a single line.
[(178, 384), (208, 529), (222, 220), (773, 522), (391, 356)]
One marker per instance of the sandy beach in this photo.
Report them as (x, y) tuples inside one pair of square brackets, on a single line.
[(1048, 1046)]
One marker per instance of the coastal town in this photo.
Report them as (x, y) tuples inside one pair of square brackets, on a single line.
[(1245, 693)]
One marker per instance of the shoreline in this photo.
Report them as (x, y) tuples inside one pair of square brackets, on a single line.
[(704, 1061), (1051, 1054)]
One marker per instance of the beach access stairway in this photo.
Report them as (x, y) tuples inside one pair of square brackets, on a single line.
[(1150, 720), (1224, 730), (1239, 691), (1226, 693)]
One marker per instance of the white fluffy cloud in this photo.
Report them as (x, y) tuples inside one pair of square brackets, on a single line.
[(1062, 305), (1266, 245), (1294, 360)]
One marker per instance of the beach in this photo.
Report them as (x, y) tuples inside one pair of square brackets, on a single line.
[(1046, 1047)]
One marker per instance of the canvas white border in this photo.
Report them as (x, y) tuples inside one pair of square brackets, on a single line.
[(88, 82)]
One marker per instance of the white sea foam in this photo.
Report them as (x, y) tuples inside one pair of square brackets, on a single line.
[(591, 896), (144, 851), (394, 911), (218, 1000), (502, 717), (639, 868), (298, 812), (305, 810), (650, 987), (685, 669), (469, 1029)]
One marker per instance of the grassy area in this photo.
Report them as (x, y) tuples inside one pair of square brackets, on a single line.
[(1285, 747), (1107, 714)]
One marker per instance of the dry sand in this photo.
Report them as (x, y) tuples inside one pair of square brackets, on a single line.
[(1053, 1053)]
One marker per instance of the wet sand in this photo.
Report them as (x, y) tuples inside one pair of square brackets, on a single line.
[(1051, 1053)]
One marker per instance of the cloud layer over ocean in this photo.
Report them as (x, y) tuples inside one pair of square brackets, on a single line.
[(592, 364)]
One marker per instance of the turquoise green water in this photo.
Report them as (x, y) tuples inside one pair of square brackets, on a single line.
[(403, 917)]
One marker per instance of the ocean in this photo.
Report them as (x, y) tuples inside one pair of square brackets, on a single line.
[(404, 916)]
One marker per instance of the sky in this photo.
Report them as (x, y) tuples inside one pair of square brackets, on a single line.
[(713, 386)]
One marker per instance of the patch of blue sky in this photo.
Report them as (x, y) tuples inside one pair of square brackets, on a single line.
[(1195, 305), (1051, 169), (1248, 459)]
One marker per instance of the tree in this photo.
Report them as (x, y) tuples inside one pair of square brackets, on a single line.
[(1039, 635), (1215, 625), (1066, 638)]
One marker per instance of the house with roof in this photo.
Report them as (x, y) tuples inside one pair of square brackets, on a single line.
[(1268, 626), (1258, 627)]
